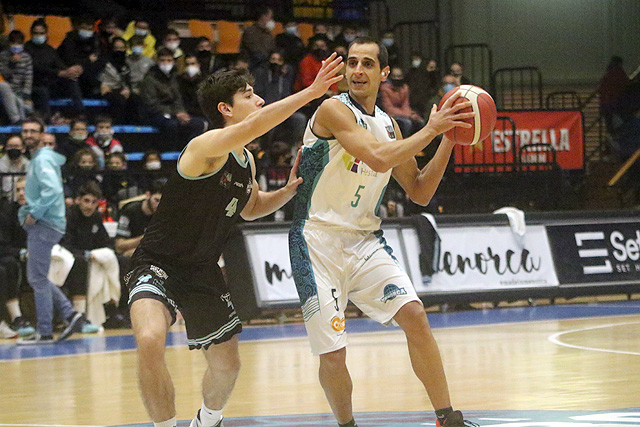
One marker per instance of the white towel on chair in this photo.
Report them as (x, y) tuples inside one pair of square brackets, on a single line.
[(516, 222), (104, 283), (61, 262)]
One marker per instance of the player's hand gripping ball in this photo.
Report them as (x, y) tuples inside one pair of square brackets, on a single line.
[(485, 115)]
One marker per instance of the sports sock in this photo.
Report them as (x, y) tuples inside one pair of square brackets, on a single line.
[(13, 307), (351, 423), (209, 417), (443, 413), (169, 423), (80, 305)]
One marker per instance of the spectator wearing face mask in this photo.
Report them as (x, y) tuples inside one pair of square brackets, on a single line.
[(424, 81), (348, 34), (448, 82), (138, 63), (457, 69), (310, 65), (163, 106), (117, 183), (16, 67), (76, 139), (108, 30), (102, 141), (13, 161), (257, 41), (394, 95), (140, 28), (81, 47), (291, 45), (209, 61), (51, 76), (189, 80), (172, 42), (320, 31), (388, 40), (115, 85), (83, 169)]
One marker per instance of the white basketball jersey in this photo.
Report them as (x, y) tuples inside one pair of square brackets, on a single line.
[(339, 190)]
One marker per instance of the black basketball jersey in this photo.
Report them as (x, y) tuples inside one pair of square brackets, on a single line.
[(195, 215)]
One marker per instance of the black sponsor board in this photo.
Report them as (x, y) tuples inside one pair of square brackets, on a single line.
[(588, 253)]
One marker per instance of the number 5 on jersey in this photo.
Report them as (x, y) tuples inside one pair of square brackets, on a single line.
[(231, 207), (355, 202)]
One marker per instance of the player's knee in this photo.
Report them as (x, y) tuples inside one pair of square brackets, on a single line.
[(230, 363), (150, 344), (334, 360), (412, 318)]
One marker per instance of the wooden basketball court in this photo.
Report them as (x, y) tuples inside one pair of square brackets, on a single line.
[(504, 366)]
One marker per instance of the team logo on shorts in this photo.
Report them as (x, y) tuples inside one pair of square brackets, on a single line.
[(225, 180), (227, 298), (337, 324), (159, 272), (391, 291)]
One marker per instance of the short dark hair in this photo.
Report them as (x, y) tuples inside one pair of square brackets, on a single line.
[(33, 119), (155, 187), (383, 54), (116, 39), (136, 40), (103, 118), (164, 52), (220, 87), (118, 154), (90, 188), (263, 10), (78, 119), (171, 31), (40, 22), (15, 37), (87, 151), (148, 153)]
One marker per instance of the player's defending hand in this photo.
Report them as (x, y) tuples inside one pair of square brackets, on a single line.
[(448, 116), (327, 75), (294, 179)]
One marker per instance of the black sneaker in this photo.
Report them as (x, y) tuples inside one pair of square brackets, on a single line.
[(455, 419), (22, 326), (35, 339), (74, 325), (116, 321)]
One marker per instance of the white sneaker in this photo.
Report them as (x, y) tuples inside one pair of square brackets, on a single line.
[(6, 332), (197, 423)]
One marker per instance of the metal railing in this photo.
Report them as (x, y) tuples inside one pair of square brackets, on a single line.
[(477, 60), (518, 88)]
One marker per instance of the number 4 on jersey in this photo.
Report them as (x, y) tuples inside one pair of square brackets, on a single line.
[(231, 207)]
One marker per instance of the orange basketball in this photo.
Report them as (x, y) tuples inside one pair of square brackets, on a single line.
[(485, 115)]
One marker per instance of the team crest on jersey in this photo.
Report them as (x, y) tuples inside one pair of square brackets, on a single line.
[(391, 132), (249, 186), (391, 291), (362, 123), (225, 179), (350, 163)]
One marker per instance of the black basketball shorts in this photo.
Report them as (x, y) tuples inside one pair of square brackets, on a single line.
[(200, 293)]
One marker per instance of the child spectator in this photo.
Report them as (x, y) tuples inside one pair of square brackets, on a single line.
[(115, 84), (16, 67), (76, 139), (102, 141), (13, 161), (82, 170), (138, 63), (117, 183), (94, 277)]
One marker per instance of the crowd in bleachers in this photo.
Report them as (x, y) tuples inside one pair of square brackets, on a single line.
[(152, 80)]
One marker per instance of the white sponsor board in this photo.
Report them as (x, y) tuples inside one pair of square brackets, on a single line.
[(484, 258)]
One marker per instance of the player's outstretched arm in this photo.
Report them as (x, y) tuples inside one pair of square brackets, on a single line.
[(219, 143), (336, 119), (262, 203), (421, 185)]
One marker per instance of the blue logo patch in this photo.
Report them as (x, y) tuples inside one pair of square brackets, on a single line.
[(391, 291)]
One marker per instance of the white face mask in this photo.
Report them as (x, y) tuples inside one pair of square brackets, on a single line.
[(172, 45), (137, 50), (166, 68), (271, 25), (349, 38), (141, 32), (85, 34), (416, 63), (153, 165), (293, 30), (192, 70)]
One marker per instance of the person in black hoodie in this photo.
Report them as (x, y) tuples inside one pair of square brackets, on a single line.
[(85, 232), (81, 47), (51, 76), (13, 243), (163, 106)]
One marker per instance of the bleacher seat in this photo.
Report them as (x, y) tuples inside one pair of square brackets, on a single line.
[(117, 129), (66, 102)]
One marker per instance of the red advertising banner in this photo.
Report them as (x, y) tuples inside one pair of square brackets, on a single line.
[(499, 152)]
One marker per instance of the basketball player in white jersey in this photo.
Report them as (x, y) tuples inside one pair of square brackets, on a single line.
[(351, 149)]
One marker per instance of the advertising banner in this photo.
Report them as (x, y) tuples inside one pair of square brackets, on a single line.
[(563, 130), (588, 253), (484, 258)]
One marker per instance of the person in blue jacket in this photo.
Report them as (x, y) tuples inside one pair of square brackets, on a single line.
[(44, 219)]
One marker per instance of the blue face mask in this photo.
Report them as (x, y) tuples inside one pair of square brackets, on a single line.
[(447, 87), (137, 50), (39, 39), (17, 49)]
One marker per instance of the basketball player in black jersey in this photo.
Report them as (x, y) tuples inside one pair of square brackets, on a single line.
[(175, 266)]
